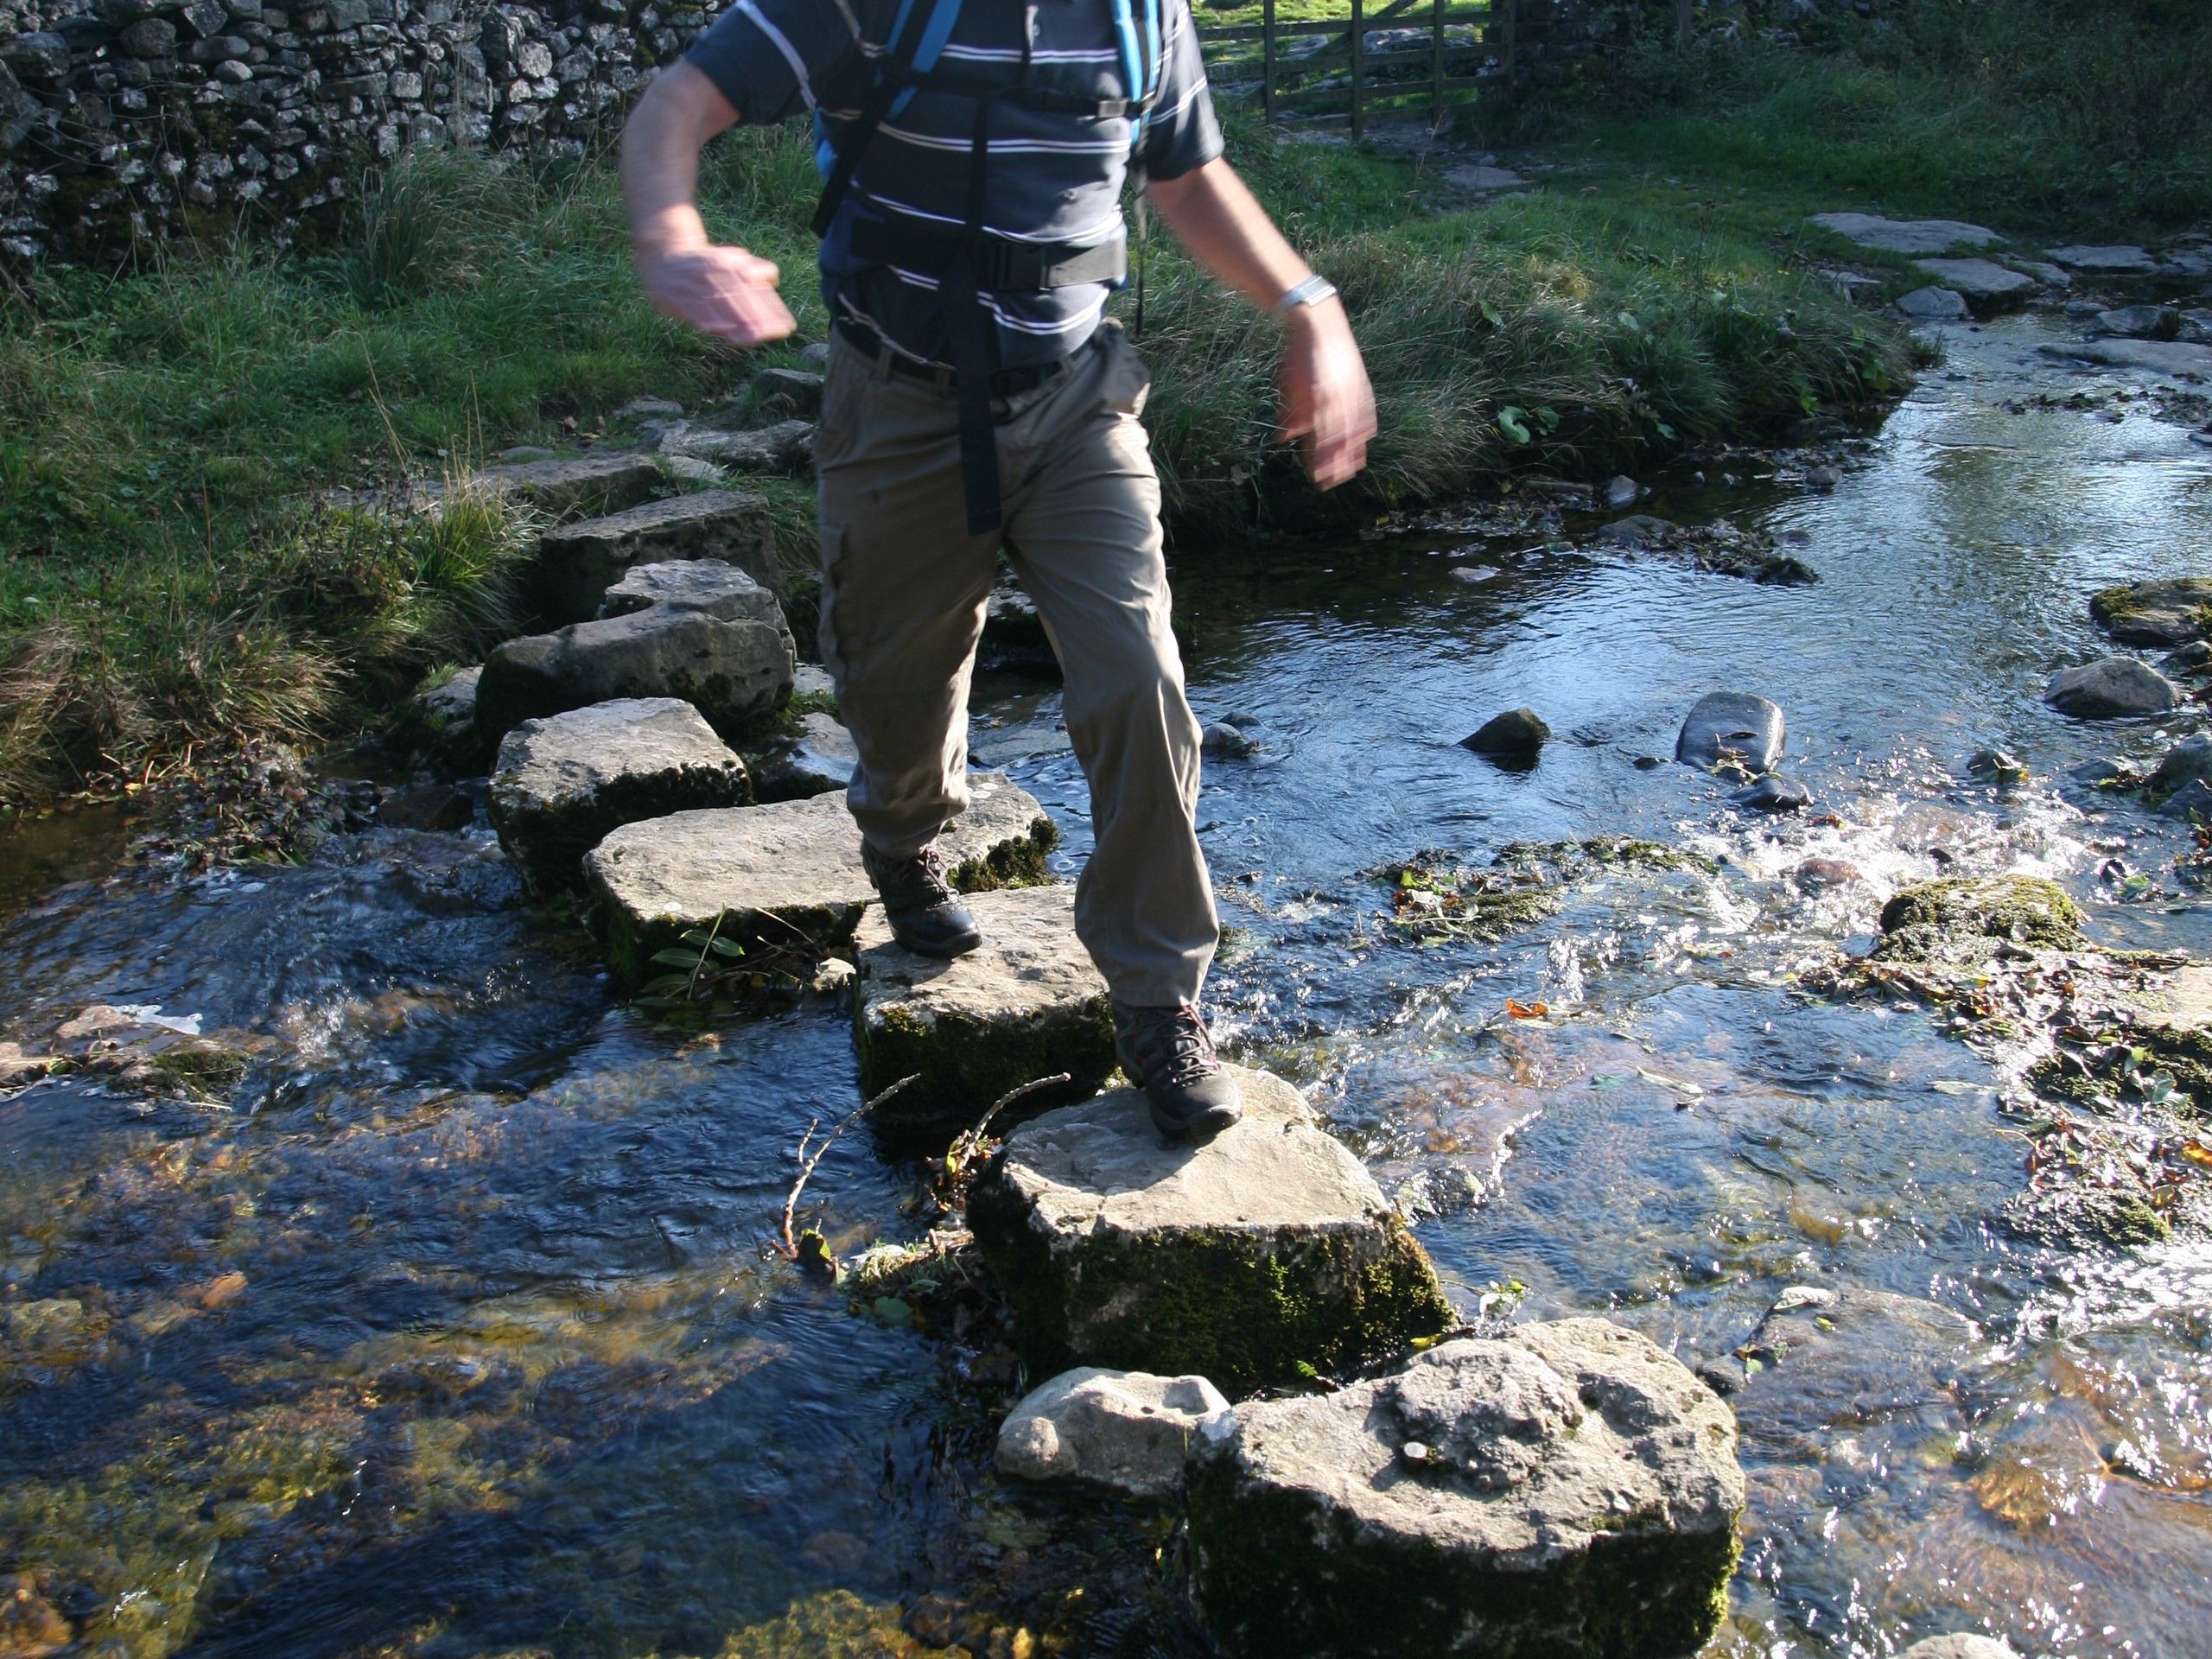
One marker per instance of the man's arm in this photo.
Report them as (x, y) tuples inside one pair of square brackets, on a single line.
[(724, 290), (1325, 397)]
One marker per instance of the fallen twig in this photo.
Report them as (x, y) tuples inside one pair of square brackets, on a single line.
[(969, 1142), (789, 1248)]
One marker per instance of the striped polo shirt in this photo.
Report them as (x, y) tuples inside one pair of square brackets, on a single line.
[(1051, 177)]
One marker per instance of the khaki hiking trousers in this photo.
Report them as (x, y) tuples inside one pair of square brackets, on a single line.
[(904, 587)]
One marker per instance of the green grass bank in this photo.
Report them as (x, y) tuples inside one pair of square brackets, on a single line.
[(170, 573)]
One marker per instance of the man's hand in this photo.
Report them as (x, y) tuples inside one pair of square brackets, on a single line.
[(723, 291), (1325, 397)]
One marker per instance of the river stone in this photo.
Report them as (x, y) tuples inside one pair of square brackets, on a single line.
[(2188, 760), (788, 871), (1964, 1645), (2170, 612), (1978, 279), (1258, 1257), (575, 486), (1565, 1489), (708, 585), (821, 759), (1126, 1430), (732, 671), (436, 727), (2121, 257), (781, 447), (1025, 1005), (2141, 322), (2191, 802), (1014, 640), (1933, 304), (2158, 356), (1962, 919), (1905, 235), (1774, 793), (1725, 725), (576, 563), (1510, 739), (564, 782), (2113, 688), (800, 390)]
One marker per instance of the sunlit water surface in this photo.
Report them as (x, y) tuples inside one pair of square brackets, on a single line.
[(452, 1332)]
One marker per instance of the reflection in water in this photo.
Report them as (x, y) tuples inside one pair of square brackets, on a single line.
[(449, 1331)]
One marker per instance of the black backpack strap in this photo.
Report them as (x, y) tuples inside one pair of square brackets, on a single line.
[(894, 75)]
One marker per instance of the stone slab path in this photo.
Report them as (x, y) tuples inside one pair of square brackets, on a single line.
[(577, 562)]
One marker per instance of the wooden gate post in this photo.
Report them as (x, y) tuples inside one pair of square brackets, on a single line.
[(1358, 64), (1512, 27), (1436, 73), (1268, 61), (1685, 24)]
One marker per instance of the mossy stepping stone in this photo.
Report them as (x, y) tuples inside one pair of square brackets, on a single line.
[(1028, 1005), (789, 874), (1569, 1489), (1263, 1256)]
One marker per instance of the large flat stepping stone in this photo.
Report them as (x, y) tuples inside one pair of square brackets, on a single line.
[(2172, 611), (563, 783), (2158, 356), (574, 486), (2108, 256), (1027, 1005), (1567, 1489), (577, 562), (1906, 235), (788, 872), (732, 669), (1262, 1255), (1982, 281)]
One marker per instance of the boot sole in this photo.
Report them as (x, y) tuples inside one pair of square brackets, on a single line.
[(1200, 1126)]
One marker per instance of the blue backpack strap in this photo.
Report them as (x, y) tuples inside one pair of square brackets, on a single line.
[(905, 57)]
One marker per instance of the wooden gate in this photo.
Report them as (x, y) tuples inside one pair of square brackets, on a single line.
[(1318, 69)]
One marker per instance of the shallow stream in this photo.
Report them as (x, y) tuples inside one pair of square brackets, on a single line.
[(450, 1332)]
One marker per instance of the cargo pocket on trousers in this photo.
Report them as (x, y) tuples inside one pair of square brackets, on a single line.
[(833, 568)]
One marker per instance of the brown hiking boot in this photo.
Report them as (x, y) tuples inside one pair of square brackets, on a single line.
[(925, 914), (1167, 1053)]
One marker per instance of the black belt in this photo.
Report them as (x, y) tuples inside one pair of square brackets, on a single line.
[(1006, 383)]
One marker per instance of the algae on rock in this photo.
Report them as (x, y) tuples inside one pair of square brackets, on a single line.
[(1944, 921)]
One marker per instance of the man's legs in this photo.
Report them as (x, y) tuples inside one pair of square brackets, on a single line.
[(1082, 533), (904, 585)]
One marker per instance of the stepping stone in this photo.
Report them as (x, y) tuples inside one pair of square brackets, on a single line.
[(1474, 176), (1906, 235), (1725, 725), (821, 760), (2121, 257), (707, 585), (436, 727), (1028, 1004), (1127, 1431), (2116, 688), (1568, 1488), (574, 486), (576, 563), (791, 391), (1014, 640), (719, 645), (788, 872), (2141, 322), (1256, 1257), (563, 783), (1979, 279), (785, 447), (2169, 612), (1933, 304), (2158, 356)]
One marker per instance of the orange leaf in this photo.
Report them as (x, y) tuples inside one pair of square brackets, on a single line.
[(1525, 1010), (2197, 1153)]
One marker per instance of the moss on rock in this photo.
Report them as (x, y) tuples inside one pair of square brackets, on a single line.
[(1016, 864), (1948, 920)]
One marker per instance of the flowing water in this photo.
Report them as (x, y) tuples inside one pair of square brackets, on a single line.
[(450, 1331)]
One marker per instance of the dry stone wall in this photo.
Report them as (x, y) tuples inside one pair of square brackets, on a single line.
[(127, 120)]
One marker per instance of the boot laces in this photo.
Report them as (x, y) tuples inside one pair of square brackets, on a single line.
[(916, 883), (1171, 1045)]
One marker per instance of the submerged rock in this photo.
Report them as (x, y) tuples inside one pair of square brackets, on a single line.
[(733, 671), (2172, 611), (1259, 1256), (1961, 919), (792, 871), (1567, 1488), (1126, 1430), (1822, 1356), (1774, 794), (564, 783), (1513, 738), (2113, 688), (434, 806), (1964, 1645), (1935, 305), (1027, 1005), (1732, 726), (576, 563)]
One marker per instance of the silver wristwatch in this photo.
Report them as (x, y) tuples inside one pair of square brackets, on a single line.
[(1311, 291)]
